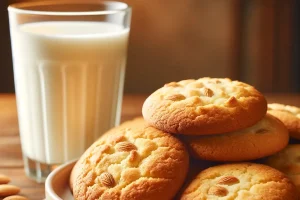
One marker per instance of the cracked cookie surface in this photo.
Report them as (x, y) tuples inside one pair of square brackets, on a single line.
[(204, 106), (242, 181), (132, 161), (289, 115), (242, 145)]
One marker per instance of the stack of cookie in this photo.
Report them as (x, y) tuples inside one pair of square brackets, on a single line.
[(219, 119), (208, 119)]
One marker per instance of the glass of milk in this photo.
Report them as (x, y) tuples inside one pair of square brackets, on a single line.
[(69, 63)]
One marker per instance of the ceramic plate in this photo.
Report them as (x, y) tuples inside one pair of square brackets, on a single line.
[(57, 183)]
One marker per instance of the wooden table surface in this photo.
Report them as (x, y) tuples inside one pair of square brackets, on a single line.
[(11, 162)]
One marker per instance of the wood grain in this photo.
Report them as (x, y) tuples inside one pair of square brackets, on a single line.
[(11, 162)]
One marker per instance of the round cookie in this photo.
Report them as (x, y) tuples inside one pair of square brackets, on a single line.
[(288, 162), (289, 115), (204, 106), (265, 138), (133, 161), (241, 181)]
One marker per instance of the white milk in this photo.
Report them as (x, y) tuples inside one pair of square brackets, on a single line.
[(68, 77)]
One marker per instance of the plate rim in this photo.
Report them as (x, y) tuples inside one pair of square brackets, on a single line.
[(48, 183)]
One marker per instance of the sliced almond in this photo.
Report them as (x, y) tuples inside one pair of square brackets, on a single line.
[(7, 190), (89, 179), (175, 97), (208, 92), (218, 191), (107, 179), (228, 180), (4, 179), (232, 101), (15, 197), (125, 146), (133, 156)]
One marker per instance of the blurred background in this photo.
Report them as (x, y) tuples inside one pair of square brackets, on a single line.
[(255, 41)]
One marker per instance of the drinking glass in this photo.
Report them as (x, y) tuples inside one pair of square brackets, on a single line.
[(69, 66)]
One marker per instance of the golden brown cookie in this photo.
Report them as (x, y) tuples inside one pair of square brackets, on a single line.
[(241, 181), (288, 162), (265, 138), (289, 115), (204, 106), (133, 161)]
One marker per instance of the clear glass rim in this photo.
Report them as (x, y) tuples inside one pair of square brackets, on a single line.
[(21, 8)]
